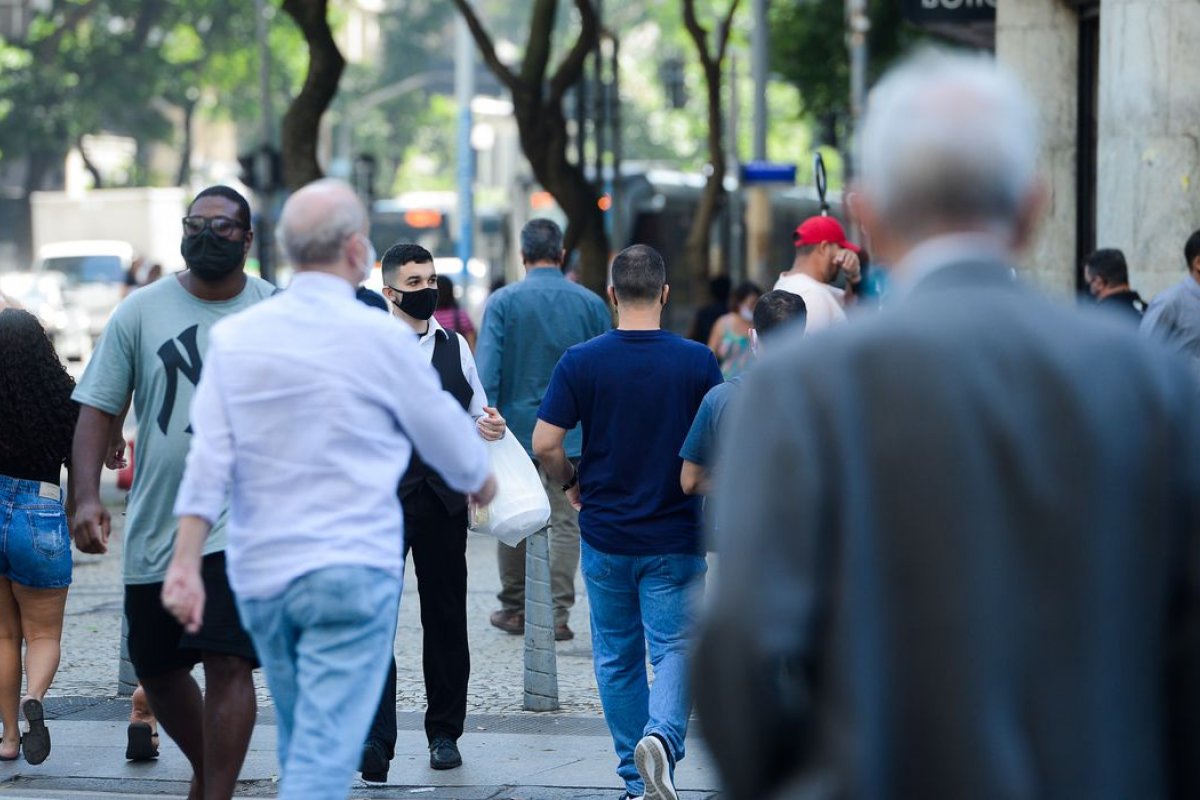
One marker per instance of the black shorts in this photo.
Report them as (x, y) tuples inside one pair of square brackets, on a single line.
[(158, 644)]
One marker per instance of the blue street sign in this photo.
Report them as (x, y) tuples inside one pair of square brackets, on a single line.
[(768, 172)]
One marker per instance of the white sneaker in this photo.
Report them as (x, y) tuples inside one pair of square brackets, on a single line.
[(654, 765), (628, 796)]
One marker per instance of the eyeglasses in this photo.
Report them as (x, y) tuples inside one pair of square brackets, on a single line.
[(224, 227)]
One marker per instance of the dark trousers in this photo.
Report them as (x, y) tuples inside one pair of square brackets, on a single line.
[(438, 541)]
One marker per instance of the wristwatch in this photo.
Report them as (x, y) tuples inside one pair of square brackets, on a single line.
[(571, 484)]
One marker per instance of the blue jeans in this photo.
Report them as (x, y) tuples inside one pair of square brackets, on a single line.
[(641, 602), (324, 644), (35, 547)]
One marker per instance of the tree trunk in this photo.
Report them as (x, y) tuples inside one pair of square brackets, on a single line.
[(537, 105), (97, 178), (184, 176), (696, 248), (302, 122)]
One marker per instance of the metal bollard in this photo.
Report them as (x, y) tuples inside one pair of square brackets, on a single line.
[(541, 665), (126, 679)]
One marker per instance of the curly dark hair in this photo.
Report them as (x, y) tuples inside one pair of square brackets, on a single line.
[(39, 416)]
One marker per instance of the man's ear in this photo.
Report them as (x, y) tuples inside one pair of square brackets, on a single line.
[(666, 293), (612, 296)]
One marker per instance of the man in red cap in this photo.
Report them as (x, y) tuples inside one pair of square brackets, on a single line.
[(821, 251)]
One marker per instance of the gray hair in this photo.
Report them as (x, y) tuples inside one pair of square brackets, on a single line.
[(541, 240), (950, 139), (314, 234)]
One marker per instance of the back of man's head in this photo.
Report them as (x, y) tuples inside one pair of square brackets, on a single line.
[(541, 242), (398, 255), (949, 143), (1191, 250), (777, 310), (316, 221), (1108, 264), (639, 275)]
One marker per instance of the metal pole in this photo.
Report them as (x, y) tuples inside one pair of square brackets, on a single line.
[(737, 248), (265, 236), (617, 234), (464, 91), (759, 51), (858, 24)]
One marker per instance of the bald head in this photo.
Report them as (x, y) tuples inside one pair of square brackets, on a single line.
[(317, 221)]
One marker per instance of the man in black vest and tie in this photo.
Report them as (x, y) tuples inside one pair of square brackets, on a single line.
[(435, 526)]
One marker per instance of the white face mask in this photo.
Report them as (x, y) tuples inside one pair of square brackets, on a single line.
[(368, 264), (746, 314)]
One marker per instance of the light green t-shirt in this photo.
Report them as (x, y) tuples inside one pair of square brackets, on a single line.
[(153, 346)]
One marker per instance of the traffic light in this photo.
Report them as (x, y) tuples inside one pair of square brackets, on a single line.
[(261, 170), (670, 72)]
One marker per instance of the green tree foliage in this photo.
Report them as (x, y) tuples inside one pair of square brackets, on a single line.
[(808, 49)]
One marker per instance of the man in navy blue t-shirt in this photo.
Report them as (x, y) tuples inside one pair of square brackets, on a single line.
[(634, 390)]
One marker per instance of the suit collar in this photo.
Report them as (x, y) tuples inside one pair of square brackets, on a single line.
[(955, 260)]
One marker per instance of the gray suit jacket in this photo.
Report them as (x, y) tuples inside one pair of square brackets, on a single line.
[(959, 558)]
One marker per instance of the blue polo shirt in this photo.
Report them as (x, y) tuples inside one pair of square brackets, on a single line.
[(634, 393)]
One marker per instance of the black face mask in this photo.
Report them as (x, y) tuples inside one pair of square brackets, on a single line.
[(419, 304), (211, 257)]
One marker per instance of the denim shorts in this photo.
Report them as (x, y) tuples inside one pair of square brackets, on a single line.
[(35, 546)]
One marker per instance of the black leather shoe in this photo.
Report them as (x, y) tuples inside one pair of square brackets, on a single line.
[(375, 763), (443, 753)]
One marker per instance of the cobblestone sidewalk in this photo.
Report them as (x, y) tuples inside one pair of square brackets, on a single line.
[(92, 633)]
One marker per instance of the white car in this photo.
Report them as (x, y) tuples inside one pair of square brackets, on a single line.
[(93, 277), (41, 294)]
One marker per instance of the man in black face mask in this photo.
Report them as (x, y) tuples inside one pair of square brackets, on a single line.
[(152, 352), (435, 528)]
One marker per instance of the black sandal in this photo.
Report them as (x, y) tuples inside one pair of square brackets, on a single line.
[(141, 745), (35, 744)]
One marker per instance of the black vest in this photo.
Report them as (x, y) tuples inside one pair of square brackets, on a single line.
[(447, 361)]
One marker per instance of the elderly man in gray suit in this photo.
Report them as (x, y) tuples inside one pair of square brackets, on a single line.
[(958, 539)]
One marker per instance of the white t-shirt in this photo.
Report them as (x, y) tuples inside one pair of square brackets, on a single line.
[(824, 301)]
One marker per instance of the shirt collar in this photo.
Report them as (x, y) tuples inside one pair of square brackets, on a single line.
[(312, 282), (435, 328), (934, 255), (544, 272)]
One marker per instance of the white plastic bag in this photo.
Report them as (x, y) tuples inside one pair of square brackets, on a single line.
[(520, 506)]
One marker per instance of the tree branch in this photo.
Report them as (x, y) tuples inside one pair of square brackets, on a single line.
[(697, 31), (726, 27), (486, 48), (537, 48), (44, 49), (571, 69)]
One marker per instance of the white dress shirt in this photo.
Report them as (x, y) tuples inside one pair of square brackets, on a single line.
[(305, 411), (823, 302)]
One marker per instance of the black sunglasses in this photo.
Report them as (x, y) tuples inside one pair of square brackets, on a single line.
[(222, 226)]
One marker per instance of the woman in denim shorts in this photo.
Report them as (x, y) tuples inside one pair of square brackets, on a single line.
[(37, 420)]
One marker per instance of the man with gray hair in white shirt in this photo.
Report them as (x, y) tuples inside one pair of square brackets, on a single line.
[(294, 404)]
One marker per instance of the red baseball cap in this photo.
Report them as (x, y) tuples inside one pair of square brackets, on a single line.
[(816, 230)]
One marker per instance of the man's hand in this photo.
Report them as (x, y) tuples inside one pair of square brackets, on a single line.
[(574, 499), (91, 526), (486, 493), (183, 594), (491, 426), (847, 261), (114, 457)]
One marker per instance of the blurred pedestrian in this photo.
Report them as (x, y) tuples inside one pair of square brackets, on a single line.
[(707, 316), (317, 572), (822, 251), (1107, 278), (435, 527), (634, 391), (153, 351), (36, 425), (449, 315), (935, 590), (1174, 314), (526, 328), (730, 336), (774, 312)]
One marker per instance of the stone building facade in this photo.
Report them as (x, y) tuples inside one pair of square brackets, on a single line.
[(1118, 87)]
